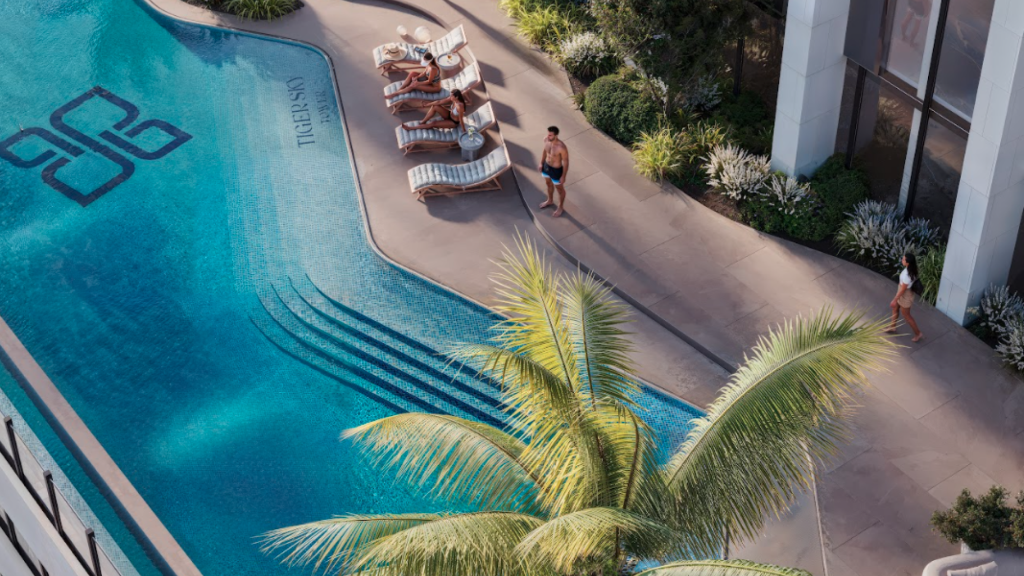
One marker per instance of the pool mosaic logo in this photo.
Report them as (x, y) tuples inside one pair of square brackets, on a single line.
[(122, 135)]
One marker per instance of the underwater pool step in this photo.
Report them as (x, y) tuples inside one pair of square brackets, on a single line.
[(394, 400), (342, 356), (384, 333), (385, 352)]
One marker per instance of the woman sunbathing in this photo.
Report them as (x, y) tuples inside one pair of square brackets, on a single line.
[(450, 112), (426, 80)]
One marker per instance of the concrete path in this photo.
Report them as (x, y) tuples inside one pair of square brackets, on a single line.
[(946, 417)]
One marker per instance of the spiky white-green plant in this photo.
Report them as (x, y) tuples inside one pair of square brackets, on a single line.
[(704, 95), (1011, 344), (999, 309), (785, 193), (588, 55), (574, 486), (875, 232), (736, 172)]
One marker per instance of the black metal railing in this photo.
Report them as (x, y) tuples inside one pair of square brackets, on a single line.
[(78, 537)]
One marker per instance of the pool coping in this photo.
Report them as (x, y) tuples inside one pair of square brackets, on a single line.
[(163, 549)]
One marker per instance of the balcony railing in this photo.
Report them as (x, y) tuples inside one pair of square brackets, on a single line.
[(79, 538)]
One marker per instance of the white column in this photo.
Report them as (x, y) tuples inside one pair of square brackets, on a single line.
[(991, 195), (810, 85)]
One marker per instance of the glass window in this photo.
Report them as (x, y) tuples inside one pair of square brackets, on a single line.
[(941, 165), (887, 120), (962, 52), (908, 34)]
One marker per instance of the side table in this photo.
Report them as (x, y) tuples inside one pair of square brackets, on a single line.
[(471, 145), (449, 64)]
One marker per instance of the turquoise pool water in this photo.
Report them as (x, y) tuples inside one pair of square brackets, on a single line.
[(183, 252)]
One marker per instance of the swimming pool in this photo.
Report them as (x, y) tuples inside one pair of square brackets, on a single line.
[(184, 253)]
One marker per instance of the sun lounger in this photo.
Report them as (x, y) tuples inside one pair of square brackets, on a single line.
[(466, 80), (442, 138), (435, 179), (450, 43)]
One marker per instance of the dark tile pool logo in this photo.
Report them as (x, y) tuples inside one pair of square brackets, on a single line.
[(116, 137)]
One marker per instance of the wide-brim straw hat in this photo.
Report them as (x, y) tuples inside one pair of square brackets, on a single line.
[(394, 51)]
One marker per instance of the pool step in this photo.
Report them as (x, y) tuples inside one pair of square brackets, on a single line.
[(394, 399), (382, 333), (339, 355), (429, 366)]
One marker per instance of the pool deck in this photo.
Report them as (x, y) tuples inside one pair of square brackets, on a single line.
[(946, 417)]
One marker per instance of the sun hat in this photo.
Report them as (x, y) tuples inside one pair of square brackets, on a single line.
[(394, 51)]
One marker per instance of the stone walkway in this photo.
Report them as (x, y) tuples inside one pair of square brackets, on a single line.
[(946, 416)]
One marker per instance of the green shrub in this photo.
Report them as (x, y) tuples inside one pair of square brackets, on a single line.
[(699, 139), (260, 9), (983, 523), (748, 120), (659, 154), (620, 110), (834, 193), (930, 270)]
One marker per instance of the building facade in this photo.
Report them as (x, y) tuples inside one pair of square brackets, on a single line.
[(928, 97)]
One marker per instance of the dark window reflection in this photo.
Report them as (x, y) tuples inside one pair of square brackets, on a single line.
[(941, 165), (884, 138), (963, 50), (908, 33)]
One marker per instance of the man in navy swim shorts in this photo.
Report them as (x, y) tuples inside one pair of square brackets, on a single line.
[(554, 165)]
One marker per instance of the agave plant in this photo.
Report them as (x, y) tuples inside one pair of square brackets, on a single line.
[(574, 485)]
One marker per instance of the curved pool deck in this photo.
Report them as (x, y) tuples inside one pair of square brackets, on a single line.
[(209, 304)]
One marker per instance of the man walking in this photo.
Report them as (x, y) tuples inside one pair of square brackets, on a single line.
[(554, 165)]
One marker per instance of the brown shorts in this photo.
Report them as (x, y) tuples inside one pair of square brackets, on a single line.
[(906, 299)]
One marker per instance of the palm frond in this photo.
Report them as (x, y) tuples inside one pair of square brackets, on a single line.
[(594, 321), (335, 543), (457, 545), (592, 535), (463, 460), (528, 292), (721, 568), (535, 394), (636, 481), (779, 417), (564, 447)]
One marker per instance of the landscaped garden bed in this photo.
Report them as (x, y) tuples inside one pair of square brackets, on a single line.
[(251, 9), (672, 103)]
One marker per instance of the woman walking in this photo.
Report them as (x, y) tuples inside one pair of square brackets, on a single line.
[(905, 297)]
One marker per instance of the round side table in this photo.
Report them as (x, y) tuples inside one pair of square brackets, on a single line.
[(471, 145), (449, 64)]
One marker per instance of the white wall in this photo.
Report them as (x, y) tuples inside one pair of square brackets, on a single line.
[(34, 530), (11, 563), (810, 85), (991, 194)]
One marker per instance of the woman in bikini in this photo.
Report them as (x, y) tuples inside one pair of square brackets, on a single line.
[(450, 112), (426, 80)]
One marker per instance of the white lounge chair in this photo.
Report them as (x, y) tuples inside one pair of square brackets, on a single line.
[(442, 138), (466, 80), (434, 178), (450, 43)]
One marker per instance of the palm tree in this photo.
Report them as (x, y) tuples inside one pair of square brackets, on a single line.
[(574, 486)]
